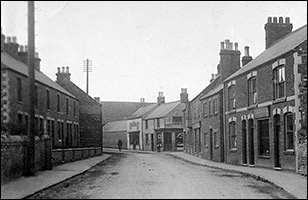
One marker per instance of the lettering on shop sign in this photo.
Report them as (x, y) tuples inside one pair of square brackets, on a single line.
[(261, 112), (133, 125)]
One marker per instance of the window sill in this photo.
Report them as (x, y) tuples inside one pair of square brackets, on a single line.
[(288, 152), (232, 111), (232, 150), (283, 99), (252, 106), (20, 102), (264, 157)]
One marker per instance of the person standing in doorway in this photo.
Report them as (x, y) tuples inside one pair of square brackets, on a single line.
[(120, 145)]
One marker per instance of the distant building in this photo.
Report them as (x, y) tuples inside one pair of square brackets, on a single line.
[(113, 132), (135, 137), (164, 125), (90, 111), (56, 109), (118, 110)]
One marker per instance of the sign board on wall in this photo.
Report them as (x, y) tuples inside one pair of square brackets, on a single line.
[(261, 112)]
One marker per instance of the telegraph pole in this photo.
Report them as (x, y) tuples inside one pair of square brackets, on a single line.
[(30, 158), (87, 68)]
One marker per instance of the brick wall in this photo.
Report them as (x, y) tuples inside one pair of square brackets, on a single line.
[(110, 139), (13, 157)]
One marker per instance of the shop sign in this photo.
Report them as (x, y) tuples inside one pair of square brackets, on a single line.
[(261, 112)]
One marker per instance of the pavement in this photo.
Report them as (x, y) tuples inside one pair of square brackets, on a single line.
[(291, 182)]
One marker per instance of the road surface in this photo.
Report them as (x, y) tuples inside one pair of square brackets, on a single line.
[(159, 175)]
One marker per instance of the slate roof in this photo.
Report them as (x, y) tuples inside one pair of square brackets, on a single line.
[(22, 68), (282, 46), (116, 110), (141, 112), (115, 126), (163, 109)]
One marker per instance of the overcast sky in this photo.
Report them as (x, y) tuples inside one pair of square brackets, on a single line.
[(140, 48)]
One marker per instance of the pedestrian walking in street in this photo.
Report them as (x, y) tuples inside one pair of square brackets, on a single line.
[(120, 145)]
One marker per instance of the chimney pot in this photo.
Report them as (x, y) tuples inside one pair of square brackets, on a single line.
[(36, 54), (231, 45), (246, 50), (287, 20), (67, 69), (269, 20), (21, 48), (236, 46), (63, 69), (275, 20), (26, 48), (8, 39), (281, 20), (14, 39), (59, 70), (222, 45)]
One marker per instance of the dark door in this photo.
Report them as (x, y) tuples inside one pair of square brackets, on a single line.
[(167, 142), (244, 142), (211, 144), (276, 141), (152, 142), (251, 142), (199, 141)]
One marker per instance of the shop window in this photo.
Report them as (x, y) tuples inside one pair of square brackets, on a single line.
[(263, 132), (233, 139), (289, 131)]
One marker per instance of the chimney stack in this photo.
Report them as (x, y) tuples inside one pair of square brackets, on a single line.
[(11, 46), (63, 74), (97, 99), (37, 62), (160, 98), (184, 95), (246, 58), (275, 31), (229, 59)]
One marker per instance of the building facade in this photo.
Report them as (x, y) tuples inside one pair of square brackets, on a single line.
[(164, 125), (56, 110), (262, 106), (90, 111)]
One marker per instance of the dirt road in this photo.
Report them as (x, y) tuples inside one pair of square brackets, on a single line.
[(145, 176)]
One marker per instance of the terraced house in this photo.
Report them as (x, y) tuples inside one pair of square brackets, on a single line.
[(56, 110), (263, 117)]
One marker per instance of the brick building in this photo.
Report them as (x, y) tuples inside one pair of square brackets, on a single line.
[(204, 135), (262, 118), (113, 132), (164, 125), (90, 111), (56, 110)]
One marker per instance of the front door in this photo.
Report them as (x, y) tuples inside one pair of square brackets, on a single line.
[(211, 144), (152, 142), (167, 141), (276, 141), (251, 142), (244, 142)]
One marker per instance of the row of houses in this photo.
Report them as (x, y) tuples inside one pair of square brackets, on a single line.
[(62, 110), (151, 125), (254, 112)]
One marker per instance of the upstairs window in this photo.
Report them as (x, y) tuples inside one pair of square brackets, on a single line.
[(205, 109), (210, 108), (177, 120), (231, 97), (58, 103), (215, 107), (19, 90), (48, 99), (66, 100), (279, 82), (252, 91)]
